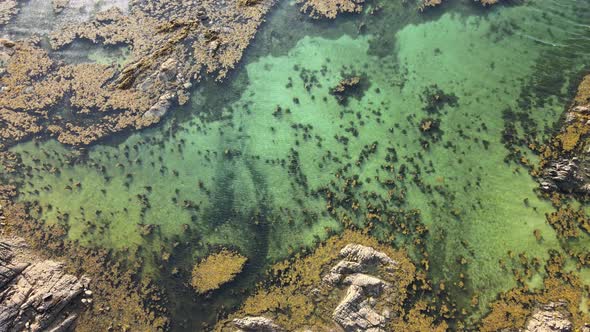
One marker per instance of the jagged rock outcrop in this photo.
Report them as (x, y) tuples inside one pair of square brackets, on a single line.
[(358, 258), (35, 294), (549, 319), (566, 175), (565, 164), (358, 310), (256, 324)]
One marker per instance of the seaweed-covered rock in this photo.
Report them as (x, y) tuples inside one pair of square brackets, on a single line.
[(347, 87), (349, 283), (429, 3), (330, 8), (36, 295), (168, 55)]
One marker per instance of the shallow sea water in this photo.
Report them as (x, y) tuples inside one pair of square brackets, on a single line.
[(243, 165)]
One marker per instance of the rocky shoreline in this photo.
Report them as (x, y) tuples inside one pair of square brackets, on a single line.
[(173, 46), (38, 294), (565, 166), (358, 279)]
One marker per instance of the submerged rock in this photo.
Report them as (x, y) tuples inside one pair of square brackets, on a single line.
[(35, 295), (160, 108), (59, 5), (346, 88)]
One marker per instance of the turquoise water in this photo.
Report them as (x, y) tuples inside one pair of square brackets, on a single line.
[(248, 164)]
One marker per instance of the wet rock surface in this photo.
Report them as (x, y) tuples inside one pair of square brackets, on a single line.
[(35, 294), (566, 175), (256, 324)]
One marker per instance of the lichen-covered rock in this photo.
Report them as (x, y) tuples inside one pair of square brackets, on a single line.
[(160, 108), (564, 164), (35, 295)]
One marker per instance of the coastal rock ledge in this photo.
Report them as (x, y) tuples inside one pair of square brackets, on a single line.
[(37, 294), (551, 318)]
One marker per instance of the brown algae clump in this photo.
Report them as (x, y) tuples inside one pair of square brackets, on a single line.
[(562, 290), (216, 270), (330, 8)]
